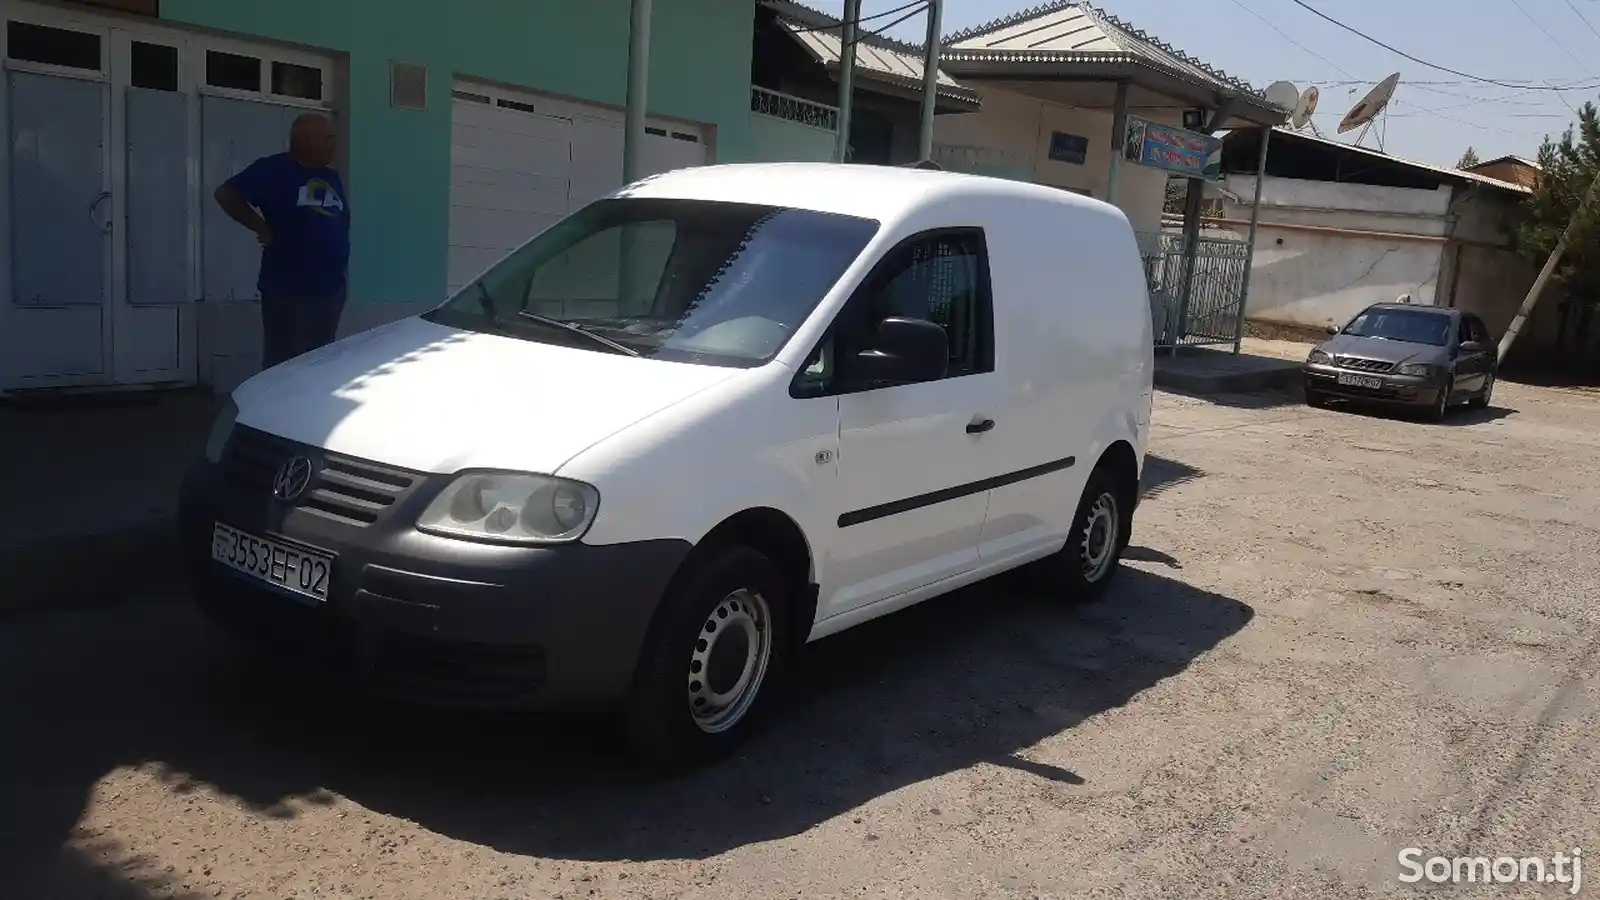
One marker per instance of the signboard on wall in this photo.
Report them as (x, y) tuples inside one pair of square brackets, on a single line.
[(1068, 148), (1176, 150)]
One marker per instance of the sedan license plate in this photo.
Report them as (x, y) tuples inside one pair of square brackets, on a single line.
[(1360, 381), (292, 567)]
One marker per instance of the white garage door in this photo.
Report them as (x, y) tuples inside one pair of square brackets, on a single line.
[(520, 162)]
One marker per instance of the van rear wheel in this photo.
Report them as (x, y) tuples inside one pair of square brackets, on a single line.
[(712, 656), (1101, 528)]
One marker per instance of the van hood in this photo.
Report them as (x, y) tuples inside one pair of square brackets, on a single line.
[(425, 397)]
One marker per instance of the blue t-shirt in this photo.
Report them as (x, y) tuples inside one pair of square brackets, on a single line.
[(309, 217)]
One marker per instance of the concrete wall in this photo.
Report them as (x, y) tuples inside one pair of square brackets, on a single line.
[(1020, 127), (1355, 245), (399, 160), (779, 140), (1489, 279)]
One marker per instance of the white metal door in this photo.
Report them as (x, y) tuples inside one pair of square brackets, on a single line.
[(55, 322), (152, 310), (509, 179)]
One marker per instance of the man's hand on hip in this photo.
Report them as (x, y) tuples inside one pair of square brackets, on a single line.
[(264, 235)]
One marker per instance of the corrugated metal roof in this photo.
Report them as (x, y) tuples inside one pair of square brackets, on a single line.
[(1076, 31), (876, 56), (1444, 171), (1513, 158)]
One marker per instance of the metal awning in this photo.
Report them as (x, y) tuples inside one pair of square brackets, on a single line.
[(1070, 42), (888, 62)]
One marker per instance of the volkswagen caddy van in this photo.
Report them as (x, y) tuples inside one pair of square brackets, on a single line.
[(646, 457)]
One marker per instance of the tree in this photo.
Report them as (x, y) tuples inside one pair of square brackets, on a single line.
[(1468, 159), (1568, 167)]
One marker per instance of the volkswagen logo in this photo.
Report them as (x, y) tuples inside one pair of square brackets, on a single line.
[(293, 477)]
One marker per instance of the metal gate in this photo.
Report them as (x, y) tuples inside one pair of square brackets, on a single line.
[(1210, 312)]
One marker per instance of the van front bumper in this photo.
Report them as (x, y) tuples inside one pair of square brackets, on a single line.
[(431, 619)]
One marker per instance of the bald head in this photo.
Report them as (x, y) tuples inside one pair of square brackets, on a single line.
[(312, 141)]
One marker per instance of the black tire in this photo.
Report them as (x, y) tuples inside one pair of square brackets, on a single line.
[(662, 726), (1068, 570), (1481, 401)]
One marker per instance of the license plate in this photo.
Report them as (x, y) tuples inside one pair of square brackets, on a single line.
[(300, 570), (1360, 381)]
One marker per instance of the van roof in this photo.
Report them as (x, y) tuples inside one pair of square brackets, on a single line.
[(875, 192)]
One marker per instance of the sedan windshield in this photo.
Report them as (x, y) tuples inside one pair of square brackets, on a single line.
[(1408, 325), (691, 280)]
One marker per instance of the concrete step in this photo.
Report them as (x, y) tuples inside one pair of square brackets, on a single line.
[(1205, 371)]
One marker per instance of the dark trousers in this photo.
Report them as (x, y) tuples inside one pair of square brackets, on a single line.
[(294, 324)]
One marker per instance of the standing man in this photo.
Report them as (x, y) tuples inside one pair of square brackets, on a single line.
[(295, 204)]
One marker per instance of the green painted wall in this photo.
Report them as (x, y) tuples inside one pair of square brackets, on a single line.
[(779, 140), (399, 160)]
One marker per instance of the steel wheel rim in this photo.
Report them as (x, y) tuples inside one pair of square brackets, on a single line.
[(1098, 543), (729, 661)]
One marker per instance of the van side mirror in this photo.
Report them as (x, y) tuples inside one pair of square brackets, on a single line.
[(906, 351), (1332, 328)]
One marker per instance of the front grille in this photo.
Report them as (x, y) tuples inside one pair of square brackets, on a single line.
[(1362, 365), (343, 488)]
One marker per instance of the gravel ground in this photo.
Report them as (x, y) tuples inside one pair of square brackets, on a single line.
[(1337, 636)]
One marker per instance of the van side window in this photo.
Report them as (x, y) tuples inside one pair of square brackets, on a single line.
[(942, 277)]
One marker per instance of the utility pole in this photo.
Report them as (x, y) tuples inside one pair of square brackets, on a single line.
[(930, 80), (849, 36), (1528, 302)]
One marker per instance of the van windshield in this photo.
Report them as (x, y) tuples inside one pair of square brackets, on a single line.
[(690, 280)]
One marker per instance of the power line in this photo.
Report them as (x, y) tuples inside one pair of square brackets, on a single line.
[(1422, 62), (1583, 18), (1529, 16), (881, 15), (1285, 35), (1343, 71)]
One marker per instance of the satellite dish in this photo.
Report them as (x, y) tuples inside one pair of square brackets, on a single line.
[(1305, 108), (1283, 93), (1369, 106)]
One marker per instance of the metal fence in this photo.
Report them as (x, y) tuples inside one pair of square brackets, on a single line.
[(1210, 311)]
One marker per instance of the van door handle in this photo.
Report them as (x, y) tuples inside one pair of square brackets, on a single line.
[(979, 426)]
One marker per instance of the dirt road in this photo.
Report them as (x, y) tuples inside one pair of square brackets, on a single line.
[(1339, 636)]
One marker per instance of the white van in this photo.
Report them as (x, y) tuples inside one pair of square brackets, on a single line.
[(696, 424)]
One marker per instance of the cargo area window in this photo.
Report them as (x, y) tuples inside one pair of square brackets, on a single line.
[(941, 276)]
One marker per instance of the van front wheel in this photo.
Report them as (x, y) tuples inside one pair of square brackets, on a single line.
[(719, 643), (1100, 531)]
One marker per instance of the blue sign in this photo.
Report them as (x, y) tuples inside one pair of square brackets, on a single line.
[(1068, 148), (1176, 150)]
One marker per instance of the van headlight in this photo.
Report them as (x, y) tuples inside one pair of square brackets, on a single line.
[(1319, 358), (512, 507), (1422, 370), (221, 430)]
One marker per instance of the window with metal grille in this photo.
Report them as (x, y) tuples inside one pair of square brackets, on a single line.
[(942, 277)]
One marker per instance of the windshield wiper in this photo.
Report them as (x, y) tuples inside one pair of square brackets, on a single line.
[(577, 329)]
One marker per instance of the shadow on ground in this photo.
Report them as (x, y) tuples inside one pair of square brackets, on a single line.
[(1268, 399), (1459, 416), (973, 677), (1161, 474)]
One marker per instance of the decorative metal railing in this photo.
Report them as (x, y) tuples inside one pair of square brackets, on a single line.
[(794, 109)]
